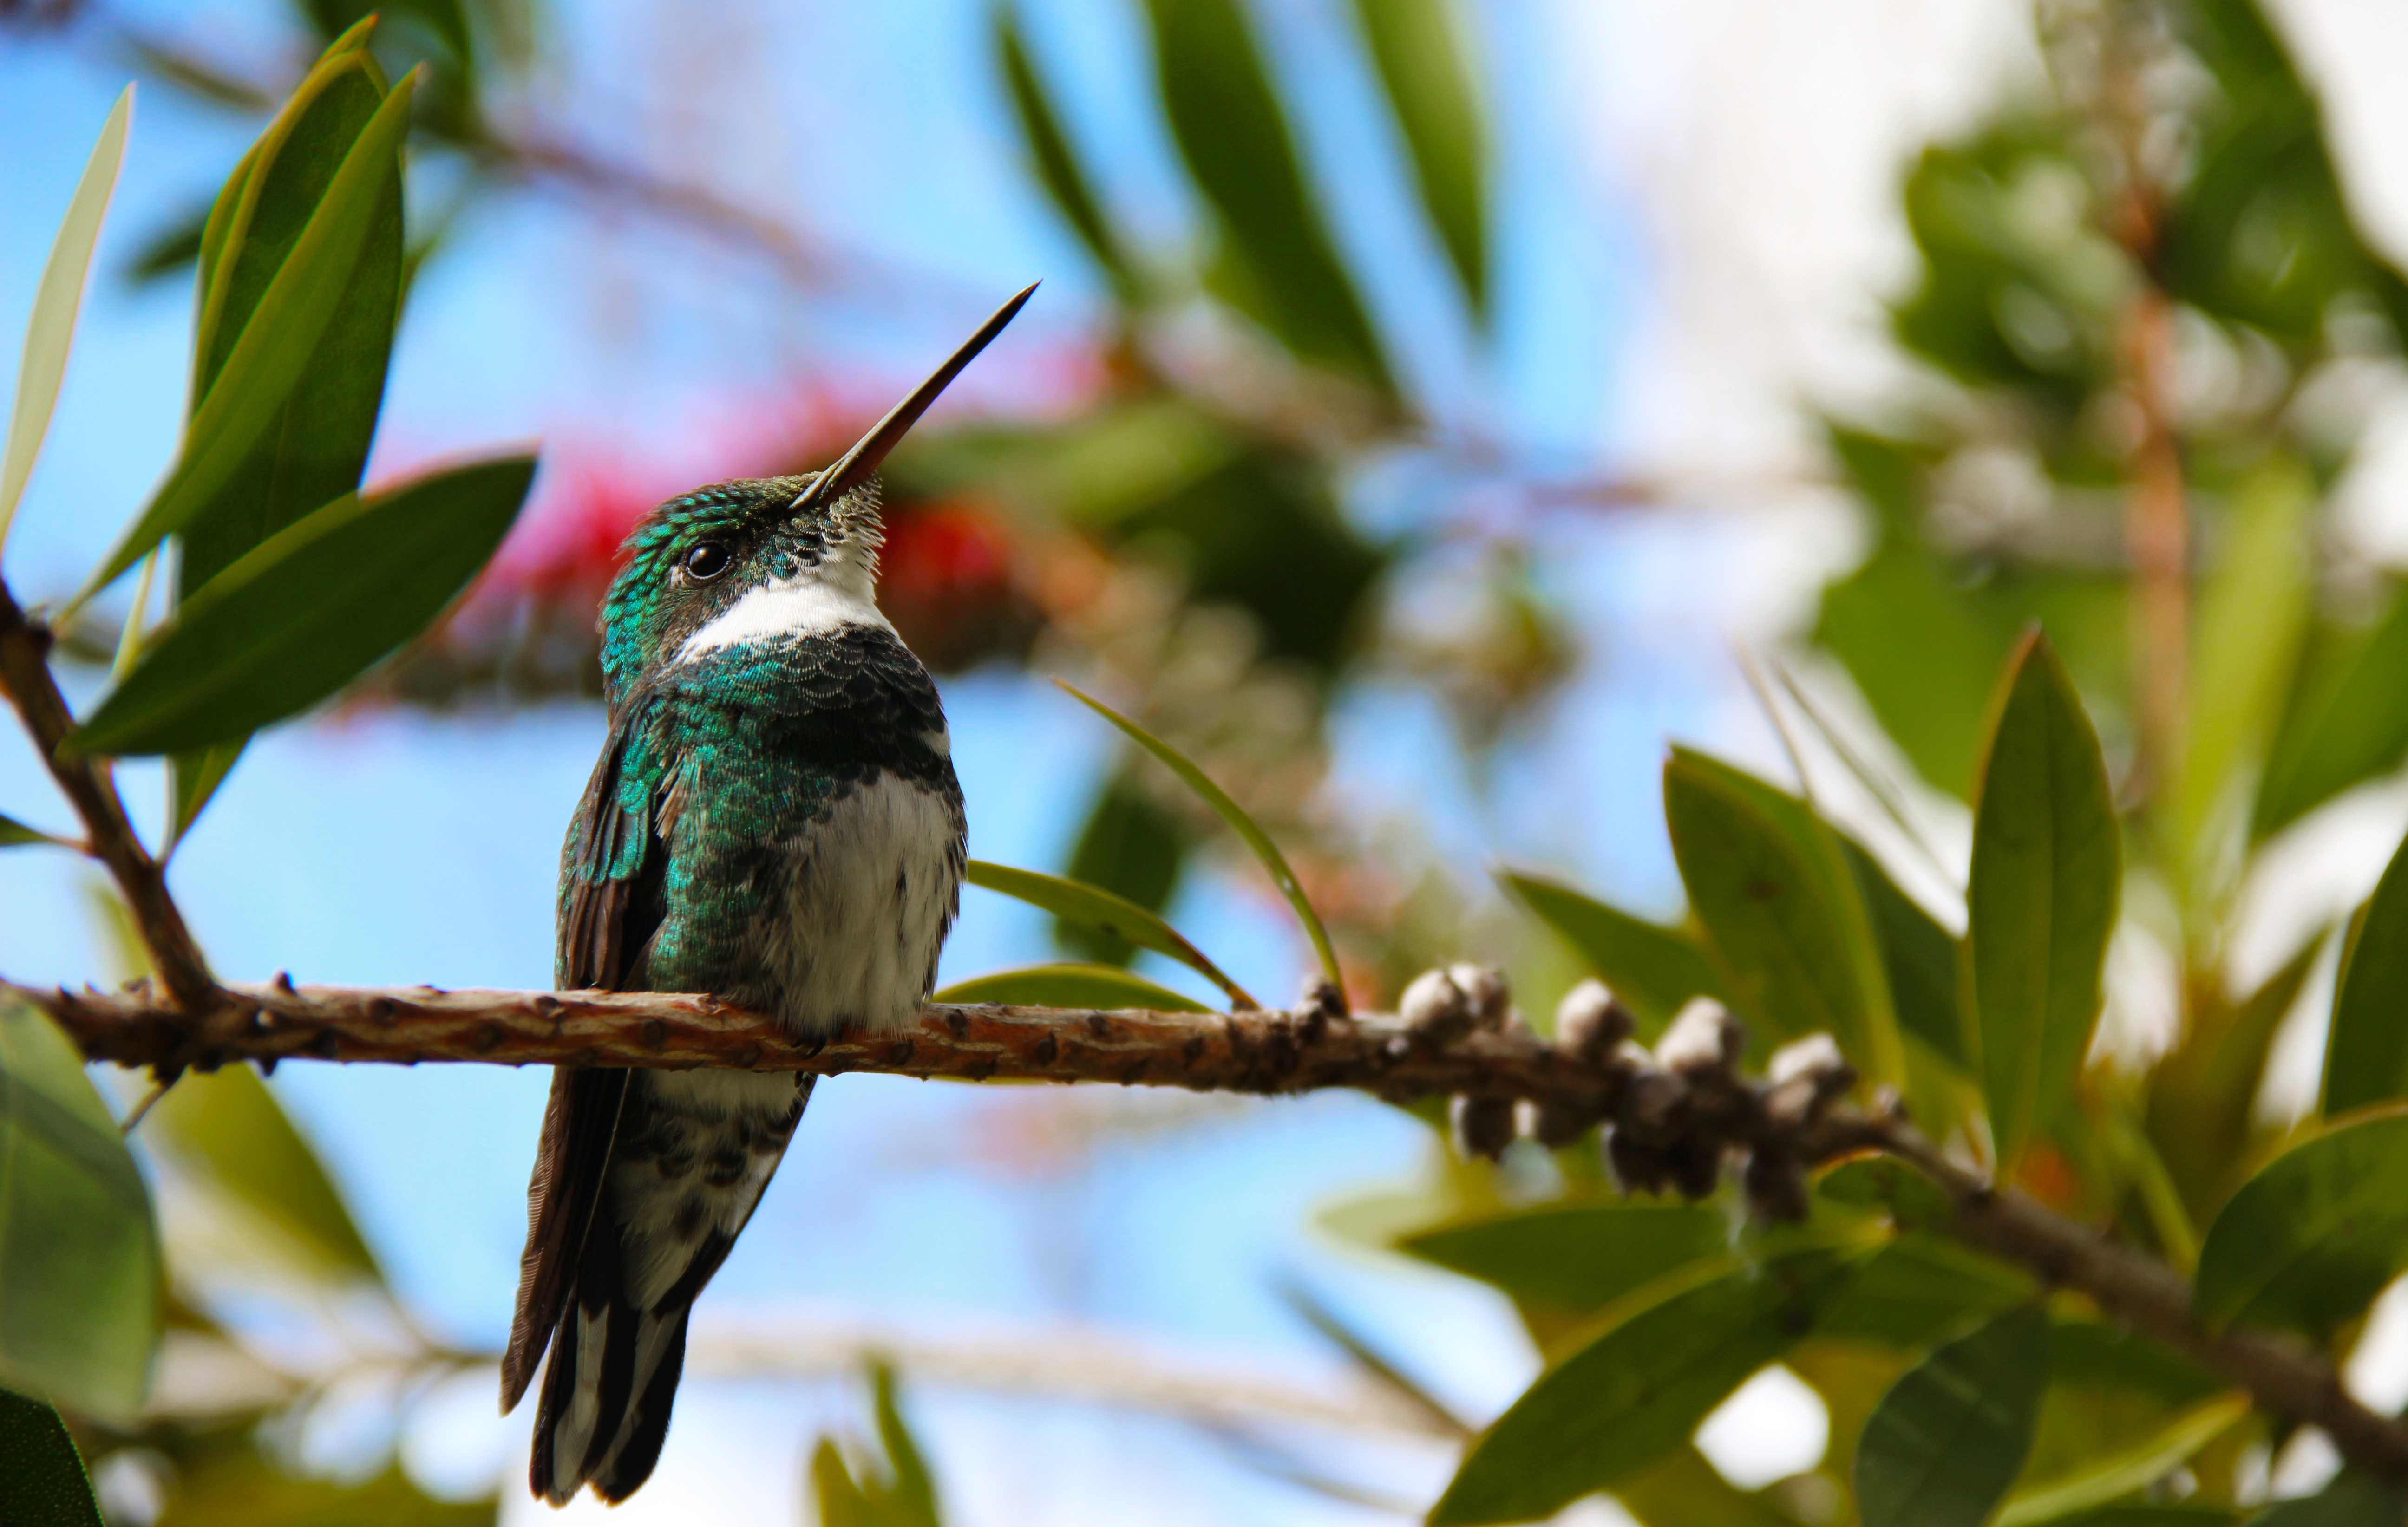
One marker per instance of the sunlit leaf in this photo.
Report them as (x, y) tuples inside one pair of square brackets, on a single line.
[(1234, 137), (1059, 170), (241, 1487), (1105, 913), (2121, 1470), (2346, 726), (42, 1481), (2041, 901), (1241, 823), (1575, 1258), (1652, 968), (1921, 1288), (309, 610), (1944, 1443), (892, 1492), (2201, 1098), (1420, 50), (2310, 1241), (1070, 986), (912, 1498), (79, 1251), (2366, 1054), (1662, 1359), (50, 332), (276, 347), (1687, 1491), (230, 1125), (1785, 917)]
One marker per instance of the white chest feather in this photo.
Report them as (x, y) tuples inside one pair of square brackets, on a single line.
[(837, 592), (872, 888)]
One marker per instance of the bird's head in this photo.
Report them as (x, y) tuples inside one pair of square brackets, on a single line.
[(767, 559)]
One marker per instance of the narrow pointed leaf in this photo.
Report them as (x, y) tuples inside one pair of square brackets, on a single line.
[(2350, 727), (79, 1251), (1661, 1360), (1234, 136), (2123, 1470), (308, 611), (1576, 1259), (2366, 1055), (194, 780), (1378, 1365), (913, 1500), (1101, 987), (1243, 825), (1652, 968), (2309, 1241), (2041, 901), (228, 1124), (272, 355), (1056, 162), (1947, 1441), (42, 1481), (50, 332), (1419, 49), (1919, 954), (1094, 908), (16, 835), (1792, 954)]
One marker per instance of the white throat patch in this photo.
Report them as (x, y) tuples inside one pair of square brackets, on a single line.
[(836, 593)]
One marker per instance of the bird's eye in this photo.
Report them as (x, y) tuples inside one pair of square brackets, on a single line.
[(707, 560)]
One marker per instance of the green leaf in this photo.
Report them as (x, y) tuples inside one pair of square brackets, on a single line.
[(78, 1253), (2253, 612), (2366, 1056), (1234, 138), (2350, 1500), (2310, 1241), (2040, 899), (1919, 954), (309, 610), (1070, 986), (912, 1498), (1662, 1359), (1685, 1490), (1921, 1288), (1099, 910), (42, 1482), (1243, 825), (1377, 1365), (2202, 1096), (239, 1487), (2347, 727), (1419, 48), (1056, 162), (245, 402), (1575, 1258), (2121, 1471), (16, 835), (1947, 1441), (194, 779), (1652, 968), (1787, 922), (1130, 845), (50, 331), (230, 1125)]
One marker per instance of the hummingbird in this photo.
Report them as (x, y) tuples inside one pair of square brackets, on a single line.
[(774, 821)]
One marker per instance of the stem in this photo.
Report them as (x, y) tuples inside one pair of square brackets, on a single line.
[(2156, 532), (26, 674)]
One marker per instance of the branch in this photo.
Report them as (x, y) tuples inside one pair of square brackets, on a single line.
[(26, 674), (1677, 1115)]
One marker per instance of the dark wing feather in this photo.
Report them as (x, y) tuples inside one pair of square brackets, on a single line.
[(604, 920)]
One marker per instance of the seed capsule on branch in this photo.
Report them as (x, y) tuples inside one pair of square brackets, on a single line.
[(1483, 988), (1590, 1021), (1482, 1126), (1436, 1010), (1703, 1043)]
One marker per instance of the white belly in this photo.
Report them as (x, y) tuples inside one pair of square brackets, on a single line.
[(872, 888)]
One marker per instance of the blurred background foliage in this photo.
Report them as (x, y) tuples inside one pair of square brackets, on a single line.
[(2145, 331)]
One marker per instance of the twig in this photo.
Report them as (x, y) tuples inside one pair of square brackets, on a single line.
[(25, 673)]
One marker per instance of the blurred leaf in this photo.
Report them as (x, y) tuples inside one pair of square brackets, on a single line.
[(1383, 1369), (2253, 610), (1419, 48), (895, 1492), (1662, 1359), (2041, 901), (16, 835), (1652, 968), (2152, 1516), (335, 288), (231, 1125), (309, 610), (79, 1250), (1944, 1443), (242, 1489), (1912, 1200), (1114, 915), (1131, 847), (1243, 825), (2123, 1470), (445, 20), (2201, 1098), (1234, 137), (1921, 1288), (2113, 1394), (42, 1482), (194, 779), (1919, 954), (2350, 727), (913, 1496), (50, 330), (1687, 1491), (1070, 986), (1056, 162), (2350, 1500), (2366, 1055), (171, 247), (1576, 1258), (2311, 1239), (1791, 931)]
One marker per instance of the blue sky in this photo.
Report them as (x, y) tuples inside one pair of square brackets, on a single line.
[(396, 848)]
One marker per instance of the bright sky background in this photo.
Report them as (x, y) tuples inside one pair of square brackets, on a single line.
[(1662, 314)]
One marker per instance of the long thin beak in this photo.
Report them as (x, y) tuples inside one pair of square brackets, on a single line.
[(855, 466)]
